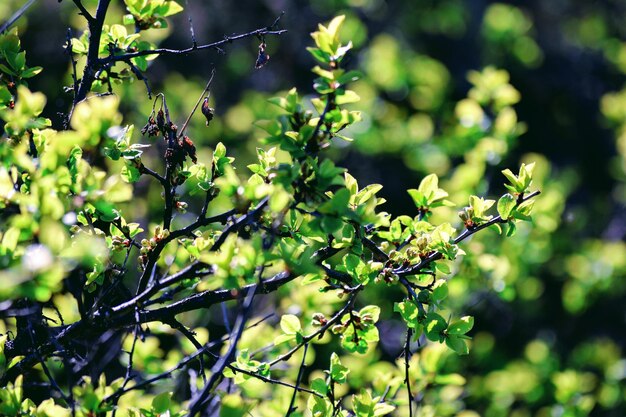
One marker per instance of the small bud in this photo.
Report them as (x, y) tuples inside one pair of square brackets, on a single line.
[(181, 206), (412, 253), (319, 319), (394, 255), (422, 242), (338, 329)]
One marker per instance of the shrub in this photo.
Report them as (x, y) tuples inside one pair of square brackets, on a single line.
[(110, 310)]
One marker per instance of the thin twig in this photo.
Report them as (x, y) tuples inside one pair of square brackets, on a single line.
[(415, 269), (298, 380), (407, 357), (83, 10), (212, 45), (19, 13), (217, 370), (191, 31), (321, 330), (208, 86)]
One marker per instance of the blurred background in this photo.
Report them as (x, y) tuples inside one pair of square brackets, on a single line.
[(462, 89)]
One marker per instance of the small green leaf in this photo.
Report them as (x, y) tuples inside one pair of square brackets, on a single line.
[(440, 290), (450, 379), (161, 403), (434, 326), (506, 204), (338, 372), (335, 25), (442, 267), (130, 173), (429, 185), (290, 324), (408, 311), (457, 344), (321, 56), (10, 239), (372, 311), (31, 72), (461, 326), (511, 177), (320, 386), (381, 409), (512, 229), (220, 151)]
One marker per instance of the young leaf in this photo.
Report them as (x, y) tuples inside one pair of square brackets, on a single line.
[(506, 204), (461, 326), (290, 324)]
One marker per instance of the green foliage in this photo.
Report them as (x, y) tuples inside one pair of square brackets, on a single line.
[(185, 227)]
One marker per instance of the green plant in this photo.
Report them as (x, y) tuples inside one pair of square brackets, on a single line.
[(298, 226)]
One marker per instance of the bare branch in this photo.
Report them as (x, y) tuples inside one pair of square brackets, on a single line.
[(19, 13)]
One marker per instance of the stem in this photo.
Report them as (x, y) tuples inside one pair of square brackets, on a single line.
[(93, 63)]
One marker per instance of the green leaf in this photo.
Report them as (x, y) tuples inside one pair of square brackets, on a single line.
[(381, 409), (321, 56), (506, 204), (372, 311), (130, 173), (323, 73), (408, 311), (17, 61), (282, 338), (134, 229), (461, 326), (348, 77), (140, 62), (128, 19), (7, 70), (440, 290), (512, 229), (457, 344), (320, 386), (118, 32), (347, 97), (220, 151), (512, 178), (418, 198), (442, 267), (10, 239), (290, 324), (450, 379), (335, 25), (169, 8), (338, 372), (429, 185), (31, 72), (161, 403), (434, 325)]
